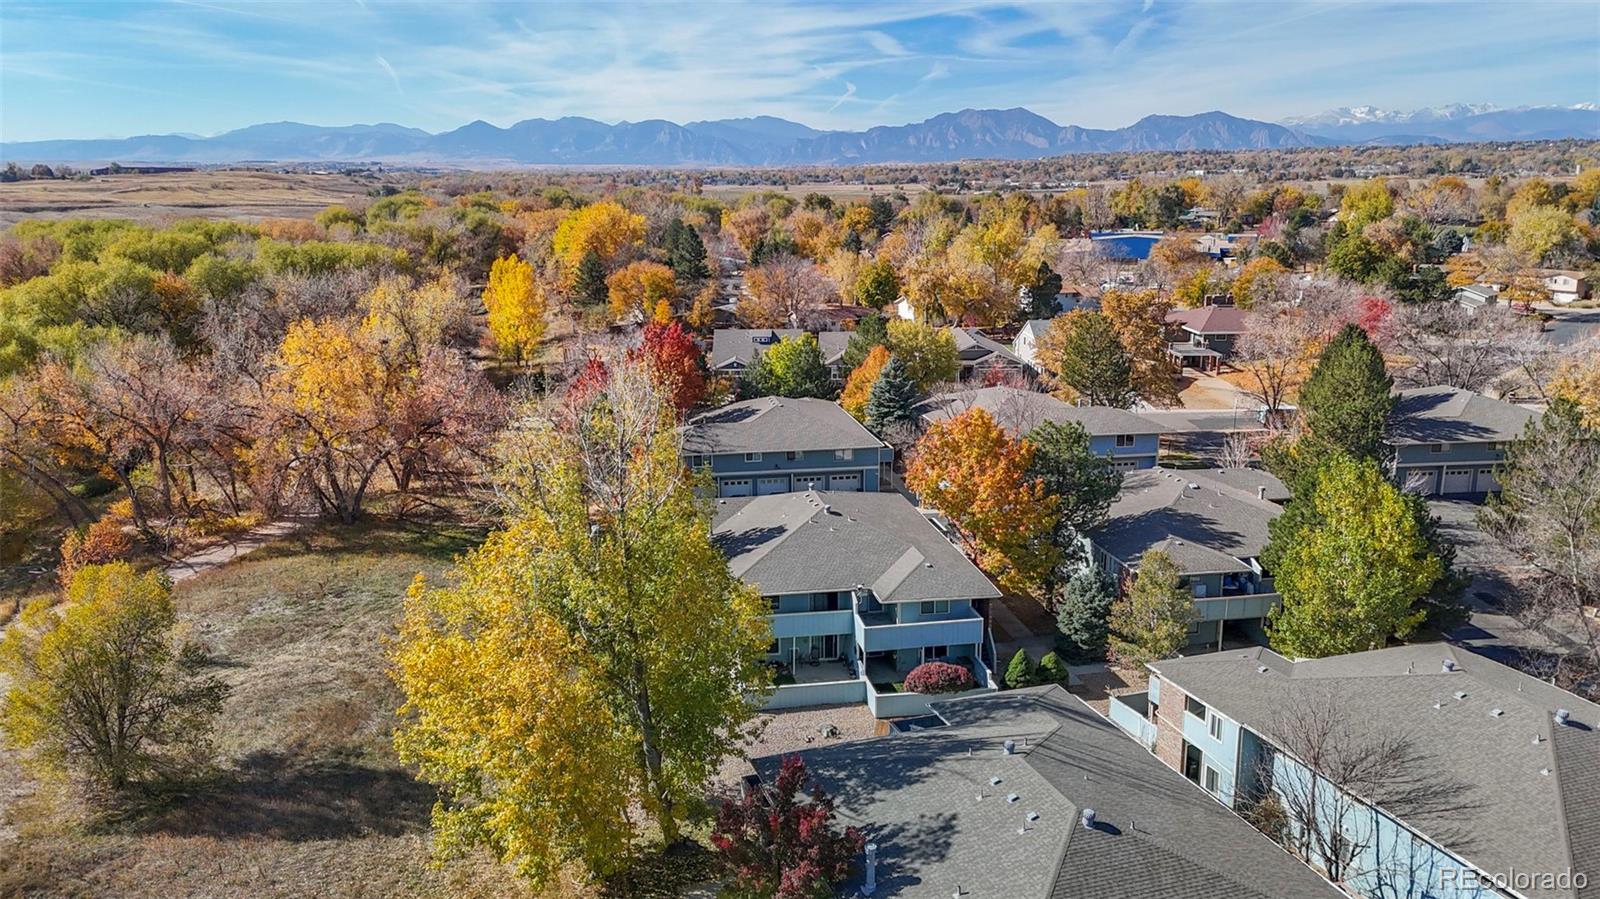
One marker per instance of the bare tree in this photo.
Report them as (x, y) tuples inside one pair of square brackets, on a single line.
[(1327, 773), (1272, 353), (1548, 512), (1238, 450), (1477, 350)]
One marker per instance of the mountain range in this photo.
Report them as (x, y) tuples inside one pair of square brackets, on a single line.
[(765, 140)]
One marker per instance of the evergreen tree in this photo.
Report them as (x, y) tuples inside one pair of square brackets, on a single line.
[(1084, 481), (589, 282), (1042, 293), (686, 253), (852, 242), (1081, 631), (1021, 672), (756, 379), (870, 332), (892, 404), (1088, 358), (1052, 670), (1346, 399)]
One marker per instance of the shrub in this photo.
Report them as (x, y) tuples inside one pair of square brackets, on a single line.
[(1052, 670), (938, 677), (102, 542), (774, 844), (1021, 673)]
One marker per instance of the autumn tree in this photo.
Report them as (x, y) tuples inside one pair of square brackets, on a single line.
[(1355, 569), (1257, 280), (974, 473), (774, 844), (605, 228), (594, 658), (1448, 344), (928, 353), (1150, 620), (871, 331), (105, 691), (516, 308), (675, 362), (1577, 381), (1140, 318), (791, 367), (858, 387), (1084, 358), (787, 292), (1548, 513), (640, 289), (876, 284)]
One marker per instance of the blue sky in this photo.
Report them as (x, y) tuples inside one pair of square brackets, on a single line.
[(83, 69)]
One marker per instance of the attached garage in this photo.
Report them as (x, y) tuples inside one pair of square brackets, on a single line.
[(845, 482), (1487, 482), (1421, 481), (1457, 480), (770, 485), (734, 487)]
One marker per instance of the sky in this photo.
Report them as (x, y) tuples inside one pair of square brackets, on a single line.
[(73, 69)]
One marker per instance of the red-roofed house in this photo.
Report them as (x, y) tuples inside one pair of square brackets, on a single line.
[(1204, 338)]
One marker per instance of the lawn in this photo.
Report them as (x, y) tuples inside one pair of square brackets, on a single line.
[(308, 799)]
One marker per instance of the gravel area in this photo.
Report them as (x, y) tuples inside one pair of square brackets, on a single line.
[(797, 729)]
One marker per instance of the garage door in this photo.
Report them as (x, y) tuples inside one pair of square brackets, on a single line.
[(1423, 481), (769, 486), (1125, 465), (1487, 482), (735, 487), (1457, 480), (850, 482), (810, 482)]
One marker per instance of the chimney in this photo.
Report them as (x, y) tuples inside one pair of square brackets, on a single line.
[(1087, 819), (871, 884)]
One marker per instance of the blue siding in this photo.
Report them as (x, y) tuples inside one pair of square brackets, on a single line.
[(1144, 450), (1220, 753), (867, 463)]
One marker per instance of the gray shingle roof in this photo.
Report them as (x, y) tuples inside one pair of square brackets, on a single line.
[(771, 424), (1211, 527), (975, 347), (1160, 837), (739, 345), (1023, 410), (815, 542), (1452, 415), (1510, 815)]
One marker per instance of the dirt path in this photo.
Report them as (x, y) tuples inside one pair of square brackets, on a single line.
[(223, 553)]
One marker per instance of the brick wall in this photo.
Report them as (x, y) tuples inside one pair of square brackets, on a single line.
[(1169, 726)]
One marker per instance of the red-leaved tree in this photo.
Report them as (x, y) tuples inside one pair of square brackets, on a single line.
[(777, 843), (675, 360)]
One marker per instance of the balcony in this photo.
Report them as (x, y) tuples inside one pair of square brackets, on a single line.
[(1234, 607), (877, 632), (811, 624), (1129, 712)]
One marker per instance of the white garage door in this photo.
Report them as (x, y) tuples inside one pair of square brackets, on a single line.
[(1457, 480), (1423, 481), (735, 487), (810, 482), (1487, 482), (850, 482), (769, 486), (1125, 465)]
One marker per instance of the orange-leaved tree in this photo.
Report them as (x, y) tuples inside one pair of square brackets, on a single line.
[(971, 470), (640, 287), (858, 387)]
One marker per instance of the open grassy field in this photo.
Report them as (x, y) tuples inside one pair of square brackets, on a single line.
[(232, 194), (309, 800)]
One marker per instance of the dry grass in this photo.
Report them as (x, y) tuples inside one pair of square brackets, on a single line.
[(309, 800), (234, 194)]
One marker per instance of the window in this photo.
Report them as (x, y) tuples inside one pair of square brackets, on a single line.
[(843, 455), (791, 455), (1215, 726), (934, 652), (772, 603), (1436, 448), (1194, 707), (1211, 780), (1124, 440), (936, 607), (772, 648)]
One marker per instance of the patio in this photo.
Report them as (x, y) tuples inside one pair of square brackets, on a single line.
[(819, 673)]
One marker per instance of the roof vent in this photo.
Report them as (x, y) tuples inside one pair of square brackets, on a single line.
[(1193, 486), (1012, 797), (1438, 705), (1087, 819), (1461, 695), (1562, 716), (1537, 739), (1545, 771), (1495, 713), (1010, 747), (994, 781), (1449, 665), (1033, 816), (1261, 491), (1261, 669)]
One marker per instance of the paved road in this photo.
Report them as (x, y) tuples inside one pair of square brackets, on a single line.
[(1202, 431), (1571, 326)]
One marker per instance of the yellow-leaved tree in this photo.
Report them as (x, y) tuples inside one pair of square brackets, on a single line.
[(606, 228), (639, 288), (594, 658), (858, 387), (516, 305)]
